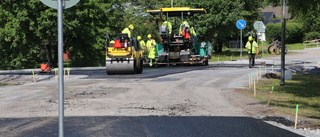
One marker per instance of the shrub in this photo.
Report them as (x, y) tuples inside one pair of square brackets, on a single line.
[(311, 36), (294, 32), (273, 32)]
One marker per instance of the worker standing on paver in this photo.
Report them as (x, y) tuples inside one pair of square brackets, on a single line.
[(184, 25), (252, 47), (128, 30), (151, 46), (169, 25)]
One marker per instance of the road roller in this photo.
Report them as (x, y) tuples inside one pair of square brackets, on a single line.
[(123, 55)]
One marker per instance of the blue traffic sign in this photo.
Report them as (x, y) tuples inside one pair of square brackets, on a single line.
[(241, 24)]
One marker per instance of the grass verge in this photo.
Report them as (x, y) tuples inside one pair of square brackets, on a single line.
[(229, 54), (302, 90)]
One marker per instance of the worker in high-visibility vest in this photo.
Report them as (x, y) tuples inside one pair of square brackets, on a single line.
[(142, 43), (193, 32), (252, 48), (169, 25), (143, 46), (111, 43), (128, 30), (184, 25), (151, 46)]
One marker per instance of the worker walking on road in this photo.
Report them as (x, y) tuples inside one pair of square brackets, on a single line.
[(151, 46), (128, 30), (253, 48)]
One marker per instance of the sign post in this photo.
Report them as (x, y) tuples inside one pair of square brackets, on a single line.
[(241, 24), (60, 5)]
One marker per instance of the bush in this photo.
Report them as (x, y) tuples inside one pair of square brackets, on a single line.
[(311, 36), (273, 32), (294, 32)]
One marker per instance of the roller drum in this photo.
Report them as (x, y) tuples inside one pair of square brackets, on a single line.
[(120, 66)]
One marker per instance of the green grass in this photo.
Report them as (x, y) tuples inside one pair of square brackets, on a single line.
[(300, 46), (228, 55), (303, 90), (296, 46)]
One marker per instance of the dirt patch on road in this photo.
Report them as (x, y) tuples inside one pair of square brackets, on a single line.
[(12, 80), (94, 92)]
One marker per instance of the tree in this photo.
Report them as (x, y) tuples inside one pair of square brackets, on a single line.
[(306, 11), (29, 28), (19, 44), (85, 29)]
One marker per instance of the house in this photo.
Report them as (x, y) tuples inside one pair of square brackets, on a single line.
[(272, 14), (269, 17)]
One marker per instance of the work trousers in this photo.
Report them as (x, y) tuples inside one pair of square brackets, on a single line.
[(251, 59)]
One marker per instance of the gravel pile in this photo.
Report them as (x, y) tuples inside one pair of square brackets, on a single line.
[(307, 132), (303, 70), (288, 124)]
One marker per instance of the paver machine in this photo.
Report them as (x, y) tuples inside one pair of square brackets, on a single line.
[(123, 55), (179, 43)]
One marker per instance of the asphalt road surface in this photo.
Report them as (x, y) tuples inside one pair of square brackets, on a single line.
[(189, 101), (143, 126)]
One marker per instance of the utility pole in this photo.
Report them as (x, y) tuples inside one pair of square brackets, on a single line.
[(283, 44)]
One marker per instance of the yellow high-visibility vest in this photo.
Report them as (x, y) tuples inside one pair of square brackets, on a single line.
[(126, 30), (254, 47)]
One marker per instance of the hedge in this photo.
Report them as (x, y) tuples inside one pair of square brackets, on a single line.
[(294, 32), (311, 36)]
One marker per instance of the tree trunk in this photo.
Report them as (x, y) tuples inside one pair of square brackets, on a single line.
[(217, 45), (49, 55)]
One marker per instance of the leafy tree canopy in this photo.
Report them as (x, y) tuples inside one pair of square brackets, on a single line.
[(306, 11), (29, 30)]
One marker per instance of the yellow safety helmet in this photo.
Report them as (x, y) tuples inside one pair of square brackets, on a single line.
[(149, 36), (250, 38), (185, 22), (131, 26), (112, 42), (139, 37)]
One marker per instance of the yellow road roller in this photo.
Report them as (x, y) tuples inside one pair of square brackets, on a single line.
[(123, 55)]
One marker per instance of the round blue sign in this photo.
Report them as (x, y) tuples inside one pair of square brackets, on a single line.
[(241, 24)]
